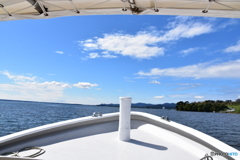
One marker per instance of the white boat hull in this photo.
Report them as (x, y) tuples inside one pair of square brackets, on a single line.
[(97, 138)]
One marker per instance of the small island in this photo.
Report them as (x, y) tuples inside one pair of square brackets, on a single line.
[(227, 106)]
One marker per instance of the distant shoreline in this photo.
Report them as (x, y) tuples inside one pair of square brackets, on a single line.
[(42, 102), (169, 106), (134, 105), (138, 107)]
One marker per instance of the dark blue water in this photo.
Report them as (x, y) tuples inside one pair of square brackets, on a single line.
[(16, 116)]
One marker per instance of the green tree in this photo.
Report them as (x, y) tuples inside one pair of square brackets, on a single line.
[(238, 100)]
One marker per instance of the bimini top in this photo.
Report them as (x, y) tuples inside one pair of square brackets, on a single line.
[(42, 9)]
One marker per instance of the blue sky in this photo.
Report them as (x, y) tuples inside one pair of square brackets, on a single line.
[(96, 59)]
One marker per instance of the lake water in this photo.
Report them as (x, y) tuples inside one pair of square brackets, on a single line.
[(16, 116)]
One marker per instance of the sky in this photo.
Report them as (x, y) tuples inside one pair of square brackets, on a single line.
[(97, 59)]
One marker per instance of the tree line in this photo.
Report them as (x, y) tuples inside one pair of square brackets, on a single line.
[(206, 106)]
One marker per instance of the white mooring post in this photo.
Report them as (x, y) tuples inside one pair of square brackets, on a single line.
[(124, 118)]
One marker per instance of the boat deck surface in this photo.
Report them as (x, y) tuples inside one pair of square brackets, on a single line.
[(106, 146), (152, 138)]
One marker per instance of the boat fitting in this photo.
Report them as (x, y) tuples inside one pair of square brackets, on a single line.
[(124, 118), (97, 114)]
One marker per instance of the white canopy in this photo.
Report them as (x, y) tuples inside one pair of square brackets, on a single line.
[(40, 9)]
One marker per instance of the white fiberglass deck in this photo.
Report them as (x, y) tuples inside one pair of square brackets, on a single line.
[(142, 146), (106, 146)]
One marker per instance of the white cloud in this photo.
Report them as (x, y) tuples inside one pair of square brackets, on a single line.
[(186, 86), (228, 69), (46, 91), (97, 55), (186, 52), (109, 56), (189, 84), (45, 85), (159, 97), (199, 97), (93, 55), (141, 45), (178, 95), (59, 52), (139, 77), (229, 22), (187, 30), (155, 82), (89, 40), (27, 88), (235, 48), (84, 85), (90, 46), (146, 44), (17, 77)]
